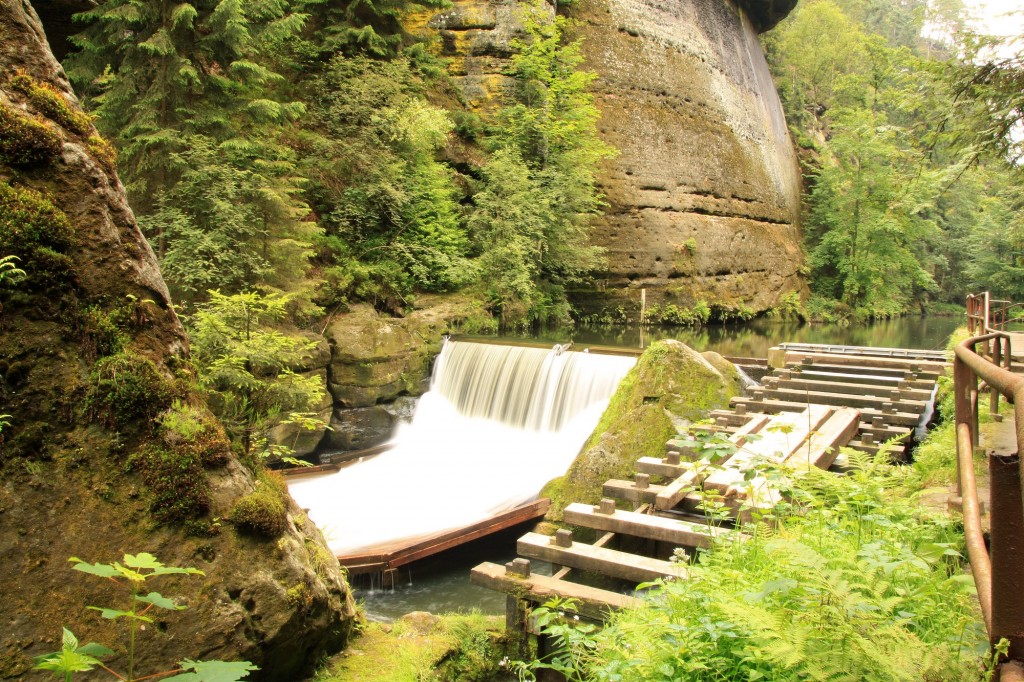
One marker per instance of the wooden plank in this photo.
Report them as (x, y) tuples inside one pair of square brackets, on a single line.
[(771, 405), (628, 491), (783, 435), (592, 602), (821, 448), (843, 399), (864, 351), (610, 562), (845, 387), (826, 367), (895, 380), (690, 478), (932, 366), (749, 424), (420, 548), (295, 472), (678, 533)]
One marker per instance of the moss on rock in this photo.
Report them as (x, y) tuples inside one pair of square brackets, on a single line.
[(38, 233), (127, 389), (176, 483), (263, 512), (49, 102), (671, 383), (26, 140)]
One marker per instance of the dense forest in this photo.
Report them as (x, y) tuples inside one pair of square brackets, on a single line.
[(903, 117), (321, 153)]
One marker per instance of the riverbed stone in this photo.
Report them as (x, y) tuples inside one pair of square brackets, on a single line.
[(670, 385), (359, 428)]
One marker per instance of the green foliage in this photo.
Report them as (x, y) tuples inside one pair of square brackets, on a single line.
[(232, 219), (132, 576), (26, 140), (672, 314), (39, 235), (790, 307), (389, 208), (185, 92), (244, 363), (127, 390), (850, 581), (264, 511), (51, 103), (907, 203), (532, 217)]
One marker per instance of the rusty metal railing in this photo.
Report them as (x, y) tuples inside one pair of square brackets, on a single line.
[(998, 571)]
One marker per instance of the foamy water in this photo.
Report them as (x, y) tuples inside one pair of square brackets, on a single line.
[(498, 423)]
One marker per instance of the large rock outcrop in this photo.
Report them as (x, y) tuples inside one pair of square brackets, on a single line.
[(704, 194), (670, 385), (93, 362)]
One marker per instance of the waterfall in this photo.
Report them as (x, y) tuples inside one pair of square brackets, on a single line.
[(497, 424)]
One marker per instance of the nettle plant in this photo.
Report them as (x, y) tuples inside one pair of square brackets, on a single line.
[(132, 576)]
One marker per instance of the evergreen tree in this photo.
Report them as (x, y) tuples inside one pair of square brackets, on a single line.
[(184, 91), (533, 217)]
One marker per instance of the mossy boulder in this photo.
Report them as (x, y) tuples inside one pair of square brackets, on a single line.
[(375, 357), (107, 447), (670, 385)]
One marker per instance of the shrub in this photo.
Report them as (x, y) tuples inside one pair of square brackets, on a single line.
[(51, 103), (38, 234), (127, 388), (263, 512)]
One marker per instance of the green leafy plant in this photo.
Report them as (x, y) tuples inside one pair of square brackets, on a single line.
[(132, 574)]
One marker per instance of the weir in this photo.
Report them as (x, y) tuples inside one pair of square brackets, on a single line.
[(497, 424)]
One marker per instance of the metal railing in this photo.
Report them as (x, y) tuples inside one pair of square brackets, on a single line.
[(999, 570)]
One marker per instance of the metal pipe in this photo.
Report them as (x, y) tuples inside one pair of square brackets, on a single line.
[(1007, 541), (981, 565)]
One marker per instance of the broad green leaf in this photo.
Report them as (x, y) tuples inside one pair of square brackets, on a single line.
[(142, 560), (114, 614), (102, 570), (213, 671), (157, 599)]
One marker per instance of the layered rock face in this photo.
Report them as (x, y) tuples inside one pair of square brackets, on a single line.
[(91, 358), (704, 194)]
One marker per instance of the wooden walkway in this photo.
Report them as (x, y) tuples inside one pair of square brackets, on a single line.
[(816, 400)]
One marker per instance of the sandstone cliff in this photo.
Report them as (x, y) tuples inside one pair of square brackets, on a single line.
[(704, 195), (91, 359)]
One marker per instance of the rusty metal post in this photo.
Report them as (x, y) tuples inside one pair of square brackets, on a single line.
[(1007, 551), (993, 394), (962, 403)]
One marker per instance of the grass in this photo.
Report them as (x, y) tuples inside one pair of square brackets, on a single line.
[(462, 647)]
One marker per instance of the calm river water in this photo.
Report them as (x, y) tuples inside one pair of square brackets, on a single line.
[(441, 584)]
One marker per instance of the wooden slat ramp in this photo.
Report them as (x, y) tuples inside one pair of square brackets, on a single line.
[(817, 400)]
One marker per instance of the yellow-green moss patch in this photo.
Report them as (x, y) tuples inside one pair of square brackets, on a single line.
[(38, 233), (26, 140), (50, 102)]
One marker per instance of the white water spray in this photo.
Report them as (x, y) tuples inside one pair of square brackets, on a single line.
[(497, 424)]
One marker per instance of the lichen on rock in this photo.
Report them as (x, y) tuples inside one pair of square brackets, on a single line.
[(671, 384)]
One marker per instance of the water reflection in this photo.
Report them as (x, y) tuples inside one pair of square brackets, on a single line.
[(753, 339)]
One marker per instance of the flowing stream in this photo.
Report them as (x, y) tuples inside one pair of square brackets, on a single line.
[(497, 424)]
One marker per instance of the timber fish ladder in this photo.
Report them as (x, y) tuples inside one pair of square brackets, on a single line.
[(817, 400)]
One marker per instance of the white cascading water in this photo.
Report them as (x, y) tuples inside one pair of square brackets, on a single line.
[(497, 424)]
